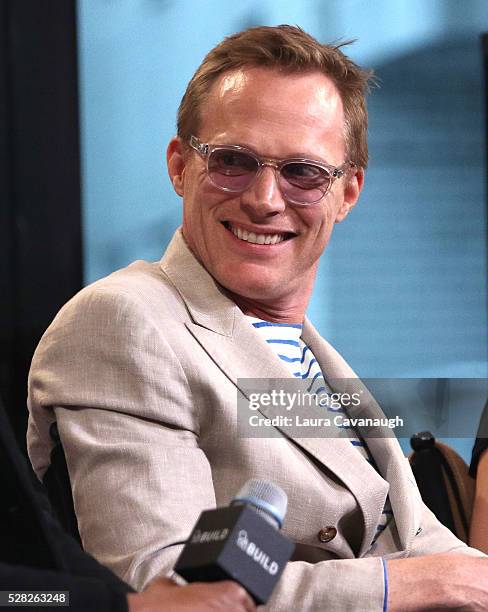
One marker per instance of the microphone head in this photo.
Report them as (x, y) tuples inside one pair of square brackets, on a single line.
[(268, 499)]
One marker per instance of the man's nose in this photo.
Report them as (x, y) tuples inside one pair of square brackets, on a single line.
[(263, 198)]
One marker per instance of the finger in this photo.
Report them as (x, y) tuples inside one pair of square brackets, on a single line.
[(249, 605), (238, 594)]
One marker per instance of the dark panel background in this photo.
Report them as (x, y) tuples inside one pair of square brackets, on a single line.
[(40, 233)]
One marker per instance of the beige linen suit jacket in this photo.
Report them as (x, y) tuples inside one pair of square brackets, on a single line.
[(141, 371)]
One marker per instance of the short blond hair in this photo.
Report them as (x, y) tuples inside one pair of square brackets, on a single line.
[(291, 49)]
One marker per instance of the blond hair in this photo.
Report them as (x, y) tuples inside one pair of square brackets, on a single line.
[(291, 49)]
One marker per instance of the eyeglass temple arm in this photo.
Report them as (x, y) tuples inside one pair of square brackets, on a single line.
[(341, 170), (198, 146)]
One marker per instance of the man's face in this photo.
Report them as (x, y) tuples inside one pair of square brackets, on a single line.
[(276, 115)]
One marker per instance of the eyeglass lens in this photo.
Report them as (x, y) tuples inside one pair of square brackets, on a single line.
[(300, 182)]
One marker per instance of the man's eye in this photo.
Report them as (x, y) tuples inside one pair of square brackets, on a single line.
[(307, 173), (231, 159), (232, 162)]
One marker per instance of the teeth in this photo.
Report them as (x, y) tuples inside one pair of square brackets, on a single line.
[(243, 234)]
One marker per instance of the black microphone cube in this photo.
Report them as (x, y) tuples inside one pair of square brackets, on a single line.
[(235, 543)]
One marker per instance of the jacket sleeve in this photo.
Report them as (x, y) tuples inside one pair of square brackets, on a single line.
[(85, 593), (129, 429), (35, 553), (359, 584)]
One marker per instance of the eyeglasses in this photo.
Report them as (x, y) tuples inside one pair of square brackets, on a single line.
[(300, 181)]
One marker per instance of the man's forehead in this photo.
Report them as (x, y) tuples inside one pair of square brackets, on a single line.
[(232, 81), (311, 91), (273, 97), (237, 80)]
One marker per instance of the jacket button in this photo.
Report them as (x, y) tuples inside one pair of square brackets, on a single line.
[(327, 534)]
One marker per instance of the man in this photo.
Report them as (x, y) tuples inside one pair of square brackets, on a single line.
[(142, 369), (36, 555)]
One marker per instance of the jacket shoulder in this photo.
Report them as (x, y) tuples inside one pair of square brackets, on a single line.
[(140, 289)]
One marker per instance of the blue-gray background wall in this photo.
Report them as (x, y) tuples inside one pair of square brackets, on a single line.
[(402, 288)]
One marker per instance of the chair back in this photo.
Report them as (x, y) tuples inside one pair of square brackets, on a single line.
[(444, 482), (58, 485)]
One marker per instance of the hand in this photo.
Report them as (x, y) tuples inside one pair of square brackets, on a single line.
[(445, 581), (163, 595)]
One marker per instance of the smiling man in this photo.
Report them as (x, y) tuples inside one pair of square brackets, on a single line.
[(260, 199), (142, 370)]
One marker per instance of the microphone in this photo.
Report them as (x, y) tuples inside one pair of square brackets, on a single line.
[(241, 542)]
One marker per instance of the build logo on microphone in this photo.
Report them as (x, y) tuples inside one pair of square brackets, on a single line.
[(256, 554)]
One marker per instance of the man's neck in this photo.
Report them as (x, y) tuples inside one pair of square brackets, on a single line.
[(277, 311)]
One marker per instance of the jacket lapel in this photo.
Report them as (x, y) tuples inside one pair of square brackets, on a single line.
[(386, 451), (368, 486)]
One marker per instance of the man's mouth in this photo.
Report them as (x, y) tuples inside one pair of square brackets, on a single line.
[(254, 237)]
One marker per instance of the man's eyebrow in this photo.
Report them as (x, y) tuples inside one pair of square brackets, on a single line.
[(292, 155)]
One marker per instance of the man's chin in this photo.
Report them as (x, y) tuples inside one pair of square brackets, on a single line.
[(256, 289)]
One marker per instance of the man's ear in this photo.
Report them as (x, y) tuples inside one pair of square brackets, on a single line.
[(351, 193), (175, 160)]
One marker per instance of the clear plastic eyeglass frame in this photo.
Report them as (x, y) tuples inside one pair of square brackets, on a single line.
[(334, 172)]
